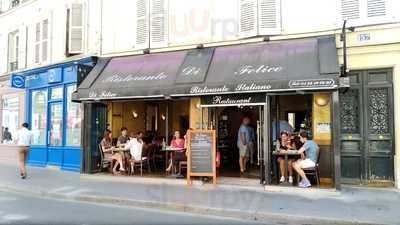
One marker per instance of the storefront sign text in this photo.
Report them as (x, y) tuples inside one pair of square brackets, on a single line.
[(252, 87), (205, 90), (311, 83), (254, 70), (102, 94), (191, 71), (128, 78), (236, 99)]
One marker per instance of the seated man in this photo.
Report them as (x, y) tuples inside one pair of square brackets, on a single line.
[(284, 144), (123, 139), (311, 150), (135, 146)]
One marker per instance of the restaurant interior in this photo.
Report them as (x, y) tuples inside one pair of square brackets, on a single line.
[(159, 119)]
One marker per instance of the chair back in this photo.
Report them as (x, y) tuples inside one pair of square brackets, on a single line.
[(150, 151), (101, 152), (319, 156)]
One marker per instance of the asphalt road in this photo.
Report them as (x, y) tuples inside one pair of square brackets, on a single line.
[(23, 210)]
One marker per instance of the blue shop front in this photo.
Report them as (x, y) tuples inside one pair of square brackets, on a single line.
[(53, 118)]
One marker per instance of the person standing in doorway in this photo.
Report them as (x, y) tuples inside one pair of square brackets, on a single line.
[(24, 140), (245, 143), (7, 137)]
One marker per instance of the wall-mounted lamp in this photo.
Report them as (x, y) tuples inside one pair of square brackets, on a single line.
[(322, 100), (162, 116), (198, 106), (200, 46), (134, 114)]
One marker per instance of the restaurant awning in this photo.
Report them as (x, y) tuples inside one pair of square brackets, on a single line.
[(301, 64)]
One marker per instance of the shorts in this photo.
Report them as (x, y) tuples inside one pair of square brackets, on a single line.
[(306, 163), (244, 150)]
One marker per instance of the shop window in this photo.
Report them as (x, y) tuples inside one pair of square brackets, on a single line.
[(10, 118), (56, 93), (74, 115), (39, 116), (55, 124)]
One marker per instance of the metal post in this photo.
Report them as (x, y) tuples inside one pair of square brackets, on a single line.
[(343, 39), (166, 121), (336, 138), (267, 140)]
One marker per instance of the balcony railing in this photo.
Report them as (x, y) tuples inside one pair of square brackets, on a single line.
[(12, 66)]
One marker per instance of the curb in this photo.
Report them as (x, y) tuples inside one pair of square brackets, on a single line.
[(177, 207)]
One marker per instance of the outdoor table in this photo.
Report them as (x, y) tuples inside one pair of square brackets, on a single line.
[(169, 149), (286, 154)]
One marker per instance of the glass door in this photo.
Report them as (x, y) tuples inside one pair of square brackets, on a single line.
[(55, 124)]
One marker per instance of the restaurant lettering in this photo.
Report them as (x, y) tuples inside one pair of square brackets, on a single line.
[(205, 90), (219, 100), (102, 94), (128, 78), (254, 70), (311, 83), (252, 87), (191, 71)]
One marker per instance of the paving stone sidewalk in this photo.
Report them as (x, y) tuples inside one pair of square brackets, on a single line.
[(352, 205)]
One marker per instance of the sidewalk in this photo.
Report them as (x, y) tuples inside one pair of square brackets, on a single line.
[(350, 206)]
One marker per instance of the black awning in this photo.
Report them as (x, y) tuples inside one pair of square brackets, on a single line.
[(302, 64)]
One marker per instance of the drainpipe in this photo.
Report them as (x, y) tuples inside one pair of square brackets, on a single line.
[(343, 39)]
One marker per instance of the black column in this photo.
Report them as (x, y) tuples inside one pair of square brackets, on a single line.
[(336, 138), (267, 140), (93, 126)]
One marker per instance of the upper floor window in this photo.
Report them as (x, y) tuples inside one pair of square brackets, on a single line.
[(75, 31), (41, 41), (362, 12), (13, 43)]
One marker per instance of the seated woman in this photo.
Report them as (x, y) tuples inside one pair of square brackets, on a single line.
[(106, 146), (135, 146), (177, 142), (285, 144)]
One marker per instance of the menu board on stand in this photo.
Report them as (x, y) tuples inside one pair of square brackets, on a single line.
[(201, 153)]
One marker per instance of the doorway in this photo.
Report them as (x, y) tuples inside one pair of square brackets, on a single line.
[(366, 117), (226, 120)]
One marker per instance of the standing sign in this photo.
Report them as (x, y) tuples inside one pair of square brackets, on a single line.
[(201, 154)]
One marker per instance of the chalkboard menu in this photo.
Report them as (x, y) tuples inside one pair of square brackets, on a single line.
[(201, 154)]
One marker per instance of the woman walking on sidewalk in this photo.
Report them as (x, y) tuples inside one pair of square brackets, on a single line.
[(24, 140)]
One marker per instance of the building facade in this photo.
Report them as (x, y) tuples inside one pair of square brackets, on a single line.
[(369, 153)]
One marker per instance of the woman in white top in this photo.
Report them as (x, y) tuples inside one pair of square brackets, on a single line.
[(24, 139), (135, 146)]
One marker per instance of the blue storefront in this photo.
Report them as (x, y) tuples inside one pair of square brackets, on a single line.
[(53, 118)]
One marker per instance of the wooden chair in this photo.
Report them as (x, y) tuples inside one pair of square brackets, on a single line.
[(105, 163), (182, 165), (313, 171)]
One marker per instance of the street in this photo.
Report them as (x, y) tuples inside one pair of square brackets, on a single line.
[(21, 210)]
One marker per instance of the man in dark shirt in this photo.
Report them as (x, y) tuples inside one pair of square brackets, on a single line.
[(123, 139), (7, 138)]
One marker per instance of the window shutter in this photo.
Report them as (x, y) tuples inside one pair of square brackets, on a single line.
[(247, 18), (23, 38), (350, 9), (76, 29), (269, 17), (142, 24), (45, 40), (37, 43), (376, 8), (158, 23)]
